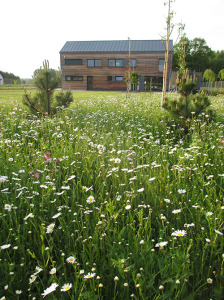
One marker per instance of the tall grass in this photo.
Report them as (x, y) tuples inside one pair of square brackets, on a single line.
[(95, 196)]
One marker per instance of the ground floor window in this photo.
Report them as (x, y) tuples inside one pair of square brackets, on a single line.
[(73, 78), (115, 78), (153, 83)]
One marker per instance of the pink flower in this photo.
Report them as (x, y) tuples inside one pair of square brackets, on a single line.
[(37, 174), (48, 158)]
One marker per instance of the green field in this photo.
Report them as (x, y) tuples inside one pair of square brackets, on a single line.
[(110, 200)]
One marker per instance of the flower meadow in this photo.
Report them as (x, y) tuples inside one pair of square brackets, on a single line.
[(110, 199)]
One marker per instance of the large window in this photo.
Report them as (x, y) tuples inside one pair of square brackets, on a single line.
[(161, 64), (94, 63), (115, 63), (115, 78), (73, 78), (73, 61)]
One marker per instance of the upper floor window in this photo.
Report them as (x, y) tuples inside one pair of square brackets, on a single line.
[(115, 63), (73, 61), (94, 63), (161, 64), (133, 63), (115, 78)]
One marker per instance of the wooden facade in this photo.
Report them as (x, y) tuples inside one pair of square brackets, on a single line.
[(89, 69)]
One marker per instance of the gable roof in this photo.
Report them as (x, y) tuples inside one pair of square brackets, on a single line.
[(115, 46)]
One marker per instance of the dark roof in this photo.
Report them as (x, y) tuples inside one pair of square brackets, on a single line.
[(115, 46)]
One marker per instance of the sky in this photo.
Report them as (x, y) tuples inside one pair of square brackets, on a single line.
[(32, 31)]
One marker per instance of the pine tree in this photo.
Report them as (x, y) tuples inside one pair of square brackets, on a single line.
[(43, 102)]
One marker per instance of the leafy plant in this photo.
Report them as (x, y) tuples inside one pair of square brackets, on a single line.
[(43, 102), (209, 75), (135, 79), (185, 106), (221, 75)]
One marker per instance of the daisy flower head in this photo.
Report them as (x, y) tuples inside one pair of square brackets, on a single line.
[(3, 178), (209, 214), (66, 287), (56, 216), (7, 207), (71, 259), (49, 290), (32, 279), (89, 275), (90, 199), (50, 228), (209, 280), (52, 271), (181, 191), (5, 246), (218, 232), (117, 160), (176, 211), (179, 233), (128, 207), (161, 244)]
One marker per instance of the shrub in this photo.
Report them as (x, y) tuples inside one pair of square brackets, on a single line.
[(44, 102)]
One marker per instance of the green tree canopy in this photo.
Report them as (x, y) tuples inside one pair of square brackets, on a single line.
[(198, 54), (10, 77), (221, 75), (209, 75)]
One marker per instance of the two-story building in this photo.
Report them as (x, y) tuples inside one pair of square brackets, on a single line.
[(101, 65)]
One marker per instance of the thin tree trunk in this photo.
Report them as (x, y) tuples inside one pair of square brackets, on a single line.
[(166, 56)]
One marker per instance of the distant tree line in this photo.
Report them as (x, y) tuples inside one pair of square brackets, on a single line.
[(200, 57), (10, 78)]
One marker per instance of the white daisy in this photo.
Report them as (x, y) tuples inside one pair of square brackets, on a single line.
[(89, 275), (7, 207), (49, 290), (66, 287), (127, 207), (50, 228), (161, 244), (179, 233), (176, 211), (5, 246), (181, 191), (90, 199), (71, 259)]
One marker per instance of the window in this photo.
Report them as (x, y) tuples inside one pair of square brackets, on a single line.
[(115, 78), (73, 78), (73, 61), (161, 64), (94, 63), (133, 62), (115, 62)]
